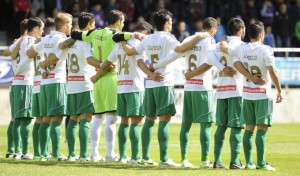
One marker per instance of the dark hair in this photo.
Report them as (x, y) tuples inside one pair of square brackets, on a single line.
[(209, 23), (23, 26), (84, 19), (255, 29), (34, 22), (160, 18), (234, 25), (114, 16), (144, 26), (49, 23)]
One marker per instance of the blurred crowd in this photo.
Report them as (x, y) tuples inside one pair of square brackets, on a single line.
[(281, 17)]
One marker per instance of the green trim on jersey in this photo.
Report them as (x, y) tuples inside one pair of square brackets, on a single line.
[(159, 101), (198, 107), (80, 103), (130, 104), (229, 112), (21, 101), (258, 112)]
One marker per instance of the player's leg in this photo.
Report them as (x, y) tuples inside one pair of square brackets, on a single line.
[(135, 138), (17, 123), (71, 137), (236, 123), (187, 119), (248, 112), (221, 122), (10, 139), (122, 138), (110, 136), (95, 134), (36, 127)]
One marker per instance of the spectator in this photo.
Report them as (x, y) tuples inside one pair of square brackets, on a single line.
[(99, 15), (41, 14), (35, 6), (250, 11), (267, 12), (269, 37), (198, 26), (180, 32), (132, 25), (296, 40), (281, 27)]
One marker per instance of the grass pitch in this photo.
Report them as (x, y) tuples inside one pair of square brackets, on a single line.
[(283, 152)]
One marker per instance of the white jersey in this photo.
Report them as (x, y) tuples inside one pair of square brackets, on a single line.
[(37, 72), (17, 60), (79, 71), (130, 77), (227, 86), (255, 57), (196, 57), (25, 67), (158, 46), (57, 72)]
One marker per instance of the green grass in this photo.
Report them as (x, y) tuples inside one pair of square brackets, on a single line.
[(283, 151)]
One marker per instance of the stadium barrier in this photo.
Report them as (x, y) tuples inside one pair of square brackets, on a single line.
[(285, 112)]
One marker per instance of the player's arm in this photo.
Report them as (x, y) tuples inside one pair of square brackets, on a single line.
[(35, 48), (31, 52), (198, 71), (52, 59), (66, 44), (104, 67), (165, 61), (6, 52), (124, 36), (215, 61), (190, 42), (129, 50), (274, 76), (253, 78), (154, 76), (15, 51), (93, 62)]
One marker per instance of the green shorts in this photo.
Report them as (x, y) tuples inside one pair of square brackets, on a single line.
[(258, 112), (21, 101), (229, 112), (105, 93), (80, 103), (54, 99), (198, 107), (11, 102), (36, 102), (159, 101), (130, 104)]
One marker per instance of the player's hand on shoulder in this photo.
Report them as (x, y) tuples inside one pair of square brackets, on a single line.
[(229, 71)]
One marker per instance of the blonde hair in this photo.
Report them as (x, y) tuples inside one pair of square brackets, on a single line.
[(61, 19)]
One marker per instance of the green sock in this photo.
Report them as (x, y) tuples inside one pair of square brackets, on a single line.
[(247, 144), (84, 135), (219, 143), (36, 139), (235, 141), (205, 140), (260, 142), (44, 138), (25, 134), (184, 138), (71, 136), (10, 139), (55, 134), (122, 136), (146, 138), (163, 139), (17, 135), (135, 138)]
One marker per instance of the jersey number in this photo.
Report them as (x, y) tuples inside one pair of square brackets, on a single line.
[(52, 67), (254, 70), (224, 62), (36, 66), (123, 64), (154, 58), (73, 63), (192, 59)]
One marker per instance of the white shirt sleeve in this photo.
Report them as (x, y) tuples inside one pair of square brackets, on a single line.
[(24, 60), (167, 60), (269, 56), (173, 42), (140, 48), (58, 52), (87, 50), (135, 42), (39, 46), (212, 59), (12, 46), (113, 57)]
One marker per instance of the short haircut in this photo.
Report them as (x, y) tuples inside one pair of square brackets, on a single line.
[(114, 16), (234, 25), (160, 18), (61, 19), (144, 26), (49, 23), (34, 22), (255, 29), (209, 23), (23, 26), (84, 19)]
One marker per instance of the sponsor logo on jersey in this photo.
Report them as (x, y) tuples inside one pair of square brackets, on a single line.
[(76, 78), (226, 88), (254, 90), (194, 81), (125, 82)]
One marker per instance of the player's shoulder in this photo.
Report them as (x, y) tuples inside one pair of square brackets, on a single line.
[(133, 42)]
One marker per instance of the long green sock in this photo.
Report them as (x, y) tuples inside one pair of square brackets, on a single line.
[(205, 140), (219, 143), (146, 138), (10, 138), (71, 136), (135, 138), (84, 135), (184, 138), (36, 139), (247, 143), (235, 141), (122, 136), (260, 142), (163, 139), (25, 134), (55, 134), (44, 138), (17, 135)]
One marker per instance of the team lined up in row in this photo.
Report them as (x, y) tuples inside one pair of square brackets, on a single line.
[(238, 102)]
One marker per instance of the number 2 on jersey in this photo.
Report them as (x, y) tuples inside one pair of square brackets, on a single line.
[(37, 66), (123, 64)]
